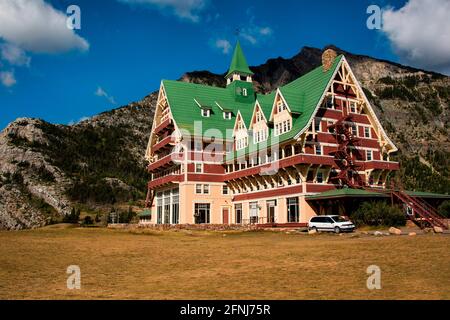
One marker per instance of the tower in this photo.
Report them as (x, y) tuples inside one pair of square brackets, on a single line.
[(239, 77)]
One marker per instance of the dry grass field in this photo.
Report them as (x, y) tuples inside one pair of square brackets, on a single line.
[(120, 264)]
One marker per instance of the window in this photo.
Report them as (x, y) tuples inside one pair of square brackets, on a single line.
[(227, 115), (224, 189), (317, 126), (253, 212), (244, 92), (354, 130), (367, 132), (318, 149), (240, 125), (159, 208), (241, 143), (206, 113), (198, 189), (281, 106), (198, 168), (352, 105), (260, 135), (258, 116), (283, 127), (175, 207), (238, 213), (369, 155), (293, 212), (319, 178), (202, 213), (206, 188)]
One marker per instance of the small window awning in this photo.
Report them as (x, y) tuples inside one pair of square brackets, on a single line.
[(202, 105), (145, 213), (223, 108)]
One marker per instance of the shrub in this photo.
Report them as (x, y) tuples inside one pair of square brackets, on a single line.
[(378, 213), (73, 217), (444, 209), (88, 221)]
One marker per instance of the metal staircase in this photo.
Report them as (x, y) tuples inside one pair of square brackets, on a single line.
[(343, 156), (422, 214)]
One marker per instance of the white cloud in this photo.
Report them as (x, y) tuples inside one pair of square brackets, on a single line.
[(254, 33), (35, 26), (7, 78), (14, 55), (184, 9), (102, 93), (224, 45), (420, 33)]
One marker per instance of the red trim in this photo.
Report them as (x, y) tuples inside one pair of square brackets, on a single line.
[(382, 165), (163, 125), (269, 193), (164, 142), (165, 180), (163, 161), (204, 177)]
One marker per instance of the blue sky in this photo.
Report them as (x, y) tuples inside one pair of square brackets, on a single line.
[(125, 47)]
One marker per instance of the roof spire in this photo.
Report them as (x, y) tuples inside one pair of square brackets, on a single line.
[(239, 63)]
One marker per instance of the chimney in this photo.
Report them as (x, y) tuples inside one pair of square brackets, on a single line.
[(328, 58)]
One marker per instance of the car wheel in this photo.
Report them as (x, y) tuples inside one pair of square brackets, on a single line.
[(337, 230)]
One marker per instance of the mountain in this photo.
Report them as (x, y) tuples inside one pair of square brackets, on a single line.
[(47, 169)]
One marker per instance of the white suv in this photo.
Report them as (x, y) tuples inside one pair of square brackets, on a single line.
[(336, 224)]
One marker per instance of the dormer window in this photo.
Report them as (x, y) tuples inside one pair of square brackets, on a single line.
[(283, 127), (206, 113), (258, 116), (240, 125), (227, 115), (281, 106)]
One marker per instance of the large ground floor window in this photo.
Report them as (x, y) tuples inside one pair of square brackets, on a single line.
[(293, 209), (202, 213), (168, 207), (253, 212)]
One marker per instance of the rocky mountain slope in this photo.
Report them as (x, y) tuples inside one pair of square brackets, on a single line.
[(47, 169)]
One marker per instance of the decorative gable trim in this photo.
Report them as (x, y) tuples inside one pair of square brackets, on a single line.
[(280, 94)]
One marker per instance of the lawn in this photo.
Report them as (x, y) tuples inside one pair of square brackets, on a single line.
[(120, 264)]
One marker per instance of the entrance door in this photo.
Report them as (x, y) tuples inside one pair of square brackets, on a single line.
[(202, 213), (226, 215), (238, 211), (271, 211)]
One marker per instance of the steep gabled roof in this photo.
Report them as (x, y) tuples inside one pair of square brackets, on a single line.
[(303, 96), (184, 99), (239, 63)]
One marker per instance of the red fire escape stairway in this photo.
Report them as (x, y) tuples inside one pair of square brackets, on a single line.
[(348, 175), (423, 214)]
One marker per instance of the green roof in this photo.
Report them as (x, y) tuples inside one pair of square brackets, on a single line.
[(345, 193), (239, 63), (302, 95), (145, 213)]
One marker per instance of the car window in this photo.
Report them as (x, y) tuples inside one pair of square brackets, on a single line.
[(314, 219), (329, 220)]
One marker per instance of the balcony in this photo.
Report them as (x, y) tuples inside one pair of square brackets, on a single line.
[(166, 124), (171, 178), (165, 161), (167, 142), (283, 163), (377, 164)]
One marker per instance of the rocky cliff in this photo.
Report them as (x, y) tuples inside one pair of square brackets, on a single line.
[(47, 169)]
